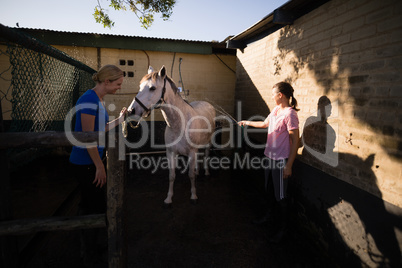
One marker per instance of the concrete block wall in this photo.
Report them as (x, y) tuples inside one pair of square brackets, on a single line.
[(5, 83), (347, 54), (204, 76), (351, 53)]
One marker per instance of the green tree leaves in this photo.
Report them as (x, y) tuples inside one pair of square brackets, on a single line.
[(143, 9)]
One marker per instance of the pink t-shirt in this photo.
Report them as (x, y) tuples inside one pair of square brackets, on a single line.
[(278, 141)]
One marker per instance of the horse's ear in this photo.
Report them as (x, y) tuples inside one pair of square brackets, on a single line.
[(162, 72), (150, 70)]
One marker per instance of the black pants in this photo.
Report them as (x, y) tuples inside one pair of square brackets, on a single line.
[(274, 171), (93, 199)]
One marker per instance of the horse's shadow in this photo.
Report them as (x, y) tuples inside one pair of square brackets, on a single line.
[(375, 215)]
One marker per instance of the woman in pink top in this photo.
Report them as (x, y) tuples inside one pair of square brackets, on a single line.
[(281, 147)]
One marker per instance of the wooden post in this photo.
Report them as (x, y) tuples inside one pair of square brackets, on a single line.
[(116, 212), (8, 245)]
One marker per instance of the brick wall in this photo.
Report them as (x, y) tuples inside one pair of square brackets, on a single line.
[(346, 58), (5, 80), (350, 53), (205, 76)]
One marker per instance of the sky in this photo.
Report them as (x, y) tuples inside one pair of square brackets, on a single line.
[(198, 20)]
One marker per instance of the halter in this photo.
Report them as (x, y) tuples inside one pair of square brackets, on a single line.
[(157, 105)]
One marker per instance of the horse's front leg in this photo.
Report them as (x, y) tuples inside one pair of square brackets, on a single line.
[(172, 175), (197, 165), (206, 160), (191, 174)]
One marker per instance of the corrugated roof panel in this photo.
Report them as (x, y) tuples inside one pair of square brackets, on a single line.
[(267, 25), (125, 42)]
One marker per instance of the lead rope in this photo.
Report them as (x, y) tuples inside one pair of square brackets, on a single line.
[(124, 125)]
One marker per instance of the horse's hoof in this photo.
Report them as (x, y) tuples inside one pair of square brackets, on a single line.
[(167, 205), (194, 201)]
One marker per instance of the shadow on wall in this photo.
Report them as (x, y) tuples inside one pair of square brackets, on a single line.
[(333, 71), (252, 105), (362, 219), (356, 219)]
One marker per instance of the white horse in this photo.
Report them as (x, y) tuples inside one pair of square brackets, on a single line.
[(189, 126)]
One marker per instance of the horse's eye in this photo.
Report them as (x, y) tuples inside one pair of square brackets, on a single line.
[(152, 88)]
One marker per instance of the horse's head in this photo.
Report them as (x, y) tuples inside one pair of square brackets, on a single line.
[(151, 93)]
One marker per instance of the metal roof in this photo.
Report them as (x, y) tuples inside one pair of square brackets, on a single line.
[(126, 42), (284, 15)]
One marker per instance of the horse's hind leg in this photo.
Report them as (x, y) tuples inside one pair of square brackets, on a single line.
[(197, 165), (191, 174), (172, 175)]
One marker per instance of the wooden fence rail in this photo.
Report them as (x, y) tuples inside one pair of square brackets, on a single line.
[(46, 139), (114, 219), (19, 227)]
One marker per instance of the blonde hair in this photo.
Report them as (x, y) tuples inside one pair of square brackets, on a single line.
[(107, 72)]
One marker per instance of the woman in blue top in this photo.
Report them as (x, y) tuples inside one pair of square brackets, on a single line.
[(89, 169), (91, 115)]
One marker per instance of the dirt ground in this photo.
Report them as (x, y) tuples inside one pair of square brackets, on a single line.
[(216, 232)]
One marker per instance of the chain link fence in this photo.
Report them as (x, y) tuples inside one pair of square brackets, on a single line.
[(38, 86)]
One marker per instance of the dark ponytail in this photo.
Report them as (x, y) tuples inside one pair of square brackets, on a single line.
[(287, 90), (293, 103)]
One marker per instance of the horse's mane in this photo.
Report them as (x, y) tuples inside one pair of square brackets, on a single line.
[(154, 76), (173, 85)]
